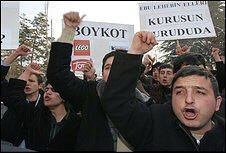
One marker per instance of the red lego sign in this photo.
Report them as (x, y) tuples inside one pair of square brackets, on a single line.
[(82, 47)]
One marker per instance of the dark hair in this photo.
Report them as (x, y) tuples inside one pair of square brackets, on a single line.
[(106, 57), (156, 65), (188, 58), (165, 65), (199, 71)]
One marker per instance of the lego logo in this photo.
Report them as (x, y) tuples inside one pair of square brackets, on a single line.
[(81, 47)]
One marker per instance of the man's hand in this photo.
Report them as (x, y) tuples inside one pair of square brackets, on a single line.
[(89, 70), (215, 53), (22, 50), (32, 68), (147, 61), (142, 43), (181, 50), (72, 19)]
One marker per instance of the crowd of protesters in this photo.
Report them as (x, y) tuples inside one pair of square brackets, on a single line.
[(138, 103)]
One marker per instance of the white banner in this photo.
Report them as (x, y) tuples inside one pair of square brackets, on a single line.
[(95, 39), (10, 24), (171, 20)]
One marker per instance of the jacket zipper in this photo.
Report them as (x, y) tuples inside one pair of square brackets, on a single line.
[(194, 143)]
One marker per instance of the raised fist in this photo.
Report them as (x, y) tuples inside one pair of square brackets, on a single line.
[(215, 53), (34, 68), (148, 62), (142, 43), (22, 50), (72, 19)]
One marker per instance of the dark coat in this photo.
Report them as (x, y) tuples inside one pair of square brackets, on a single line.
[(220, 75), (155, 127), (37, 122), (4, 82), (94, 132), (12, 129), (160, 93)]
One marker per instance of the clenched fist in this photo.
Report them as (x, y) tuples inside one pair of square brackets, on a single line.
[(72, 19), (142, 42), (215, 53), (34, 68), (22, 50)]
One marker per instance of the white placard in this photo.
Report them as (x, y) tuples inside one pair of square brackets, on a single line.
[(95, 39), (171, 20), (10, 24)]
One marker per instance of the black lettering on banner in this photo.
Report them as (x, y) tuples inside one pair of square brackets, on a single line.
[(112, 33), (2, 37), (181, 32), (176, 19), (123, 34), (95, 31), (77, 30), (102, 32), (84, 29)]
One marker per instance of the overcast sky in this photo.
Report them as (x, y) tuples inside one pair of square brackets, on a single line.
[(123, 12)]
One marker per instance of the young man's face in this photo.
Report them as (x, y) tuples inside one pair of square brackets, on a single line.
[(51, 98), (166, 76), (194, 102), (32, 85), (155, 73), (107, 68)]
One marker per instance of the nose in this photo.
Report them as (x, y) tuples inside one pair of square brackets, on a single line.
[(27, 83), (165, 75), (48, 92), (189, 98)]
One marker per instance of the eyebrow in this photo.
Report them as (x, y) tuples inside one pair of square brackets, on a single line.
[(197, 87), (107, 65), (31, 80)]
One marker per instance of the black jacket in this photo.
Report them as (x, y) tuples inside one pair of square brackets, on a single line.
[(155, 127), (94, 132), (220, 75), (4, 82), (12, 129), (160, 94), (37, 122)]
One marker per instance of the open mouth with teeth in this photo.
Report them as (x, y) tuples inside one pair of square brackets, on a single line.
[(190, 113)]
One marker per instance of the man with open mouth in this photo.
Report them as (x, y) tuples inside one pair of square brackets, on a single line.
[(187, 123)]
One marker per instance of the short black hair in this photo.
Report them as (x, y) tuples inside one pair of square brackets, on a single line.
[(188, 58), (156, 65), (106, 57), (199, 71), (165, 65)]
